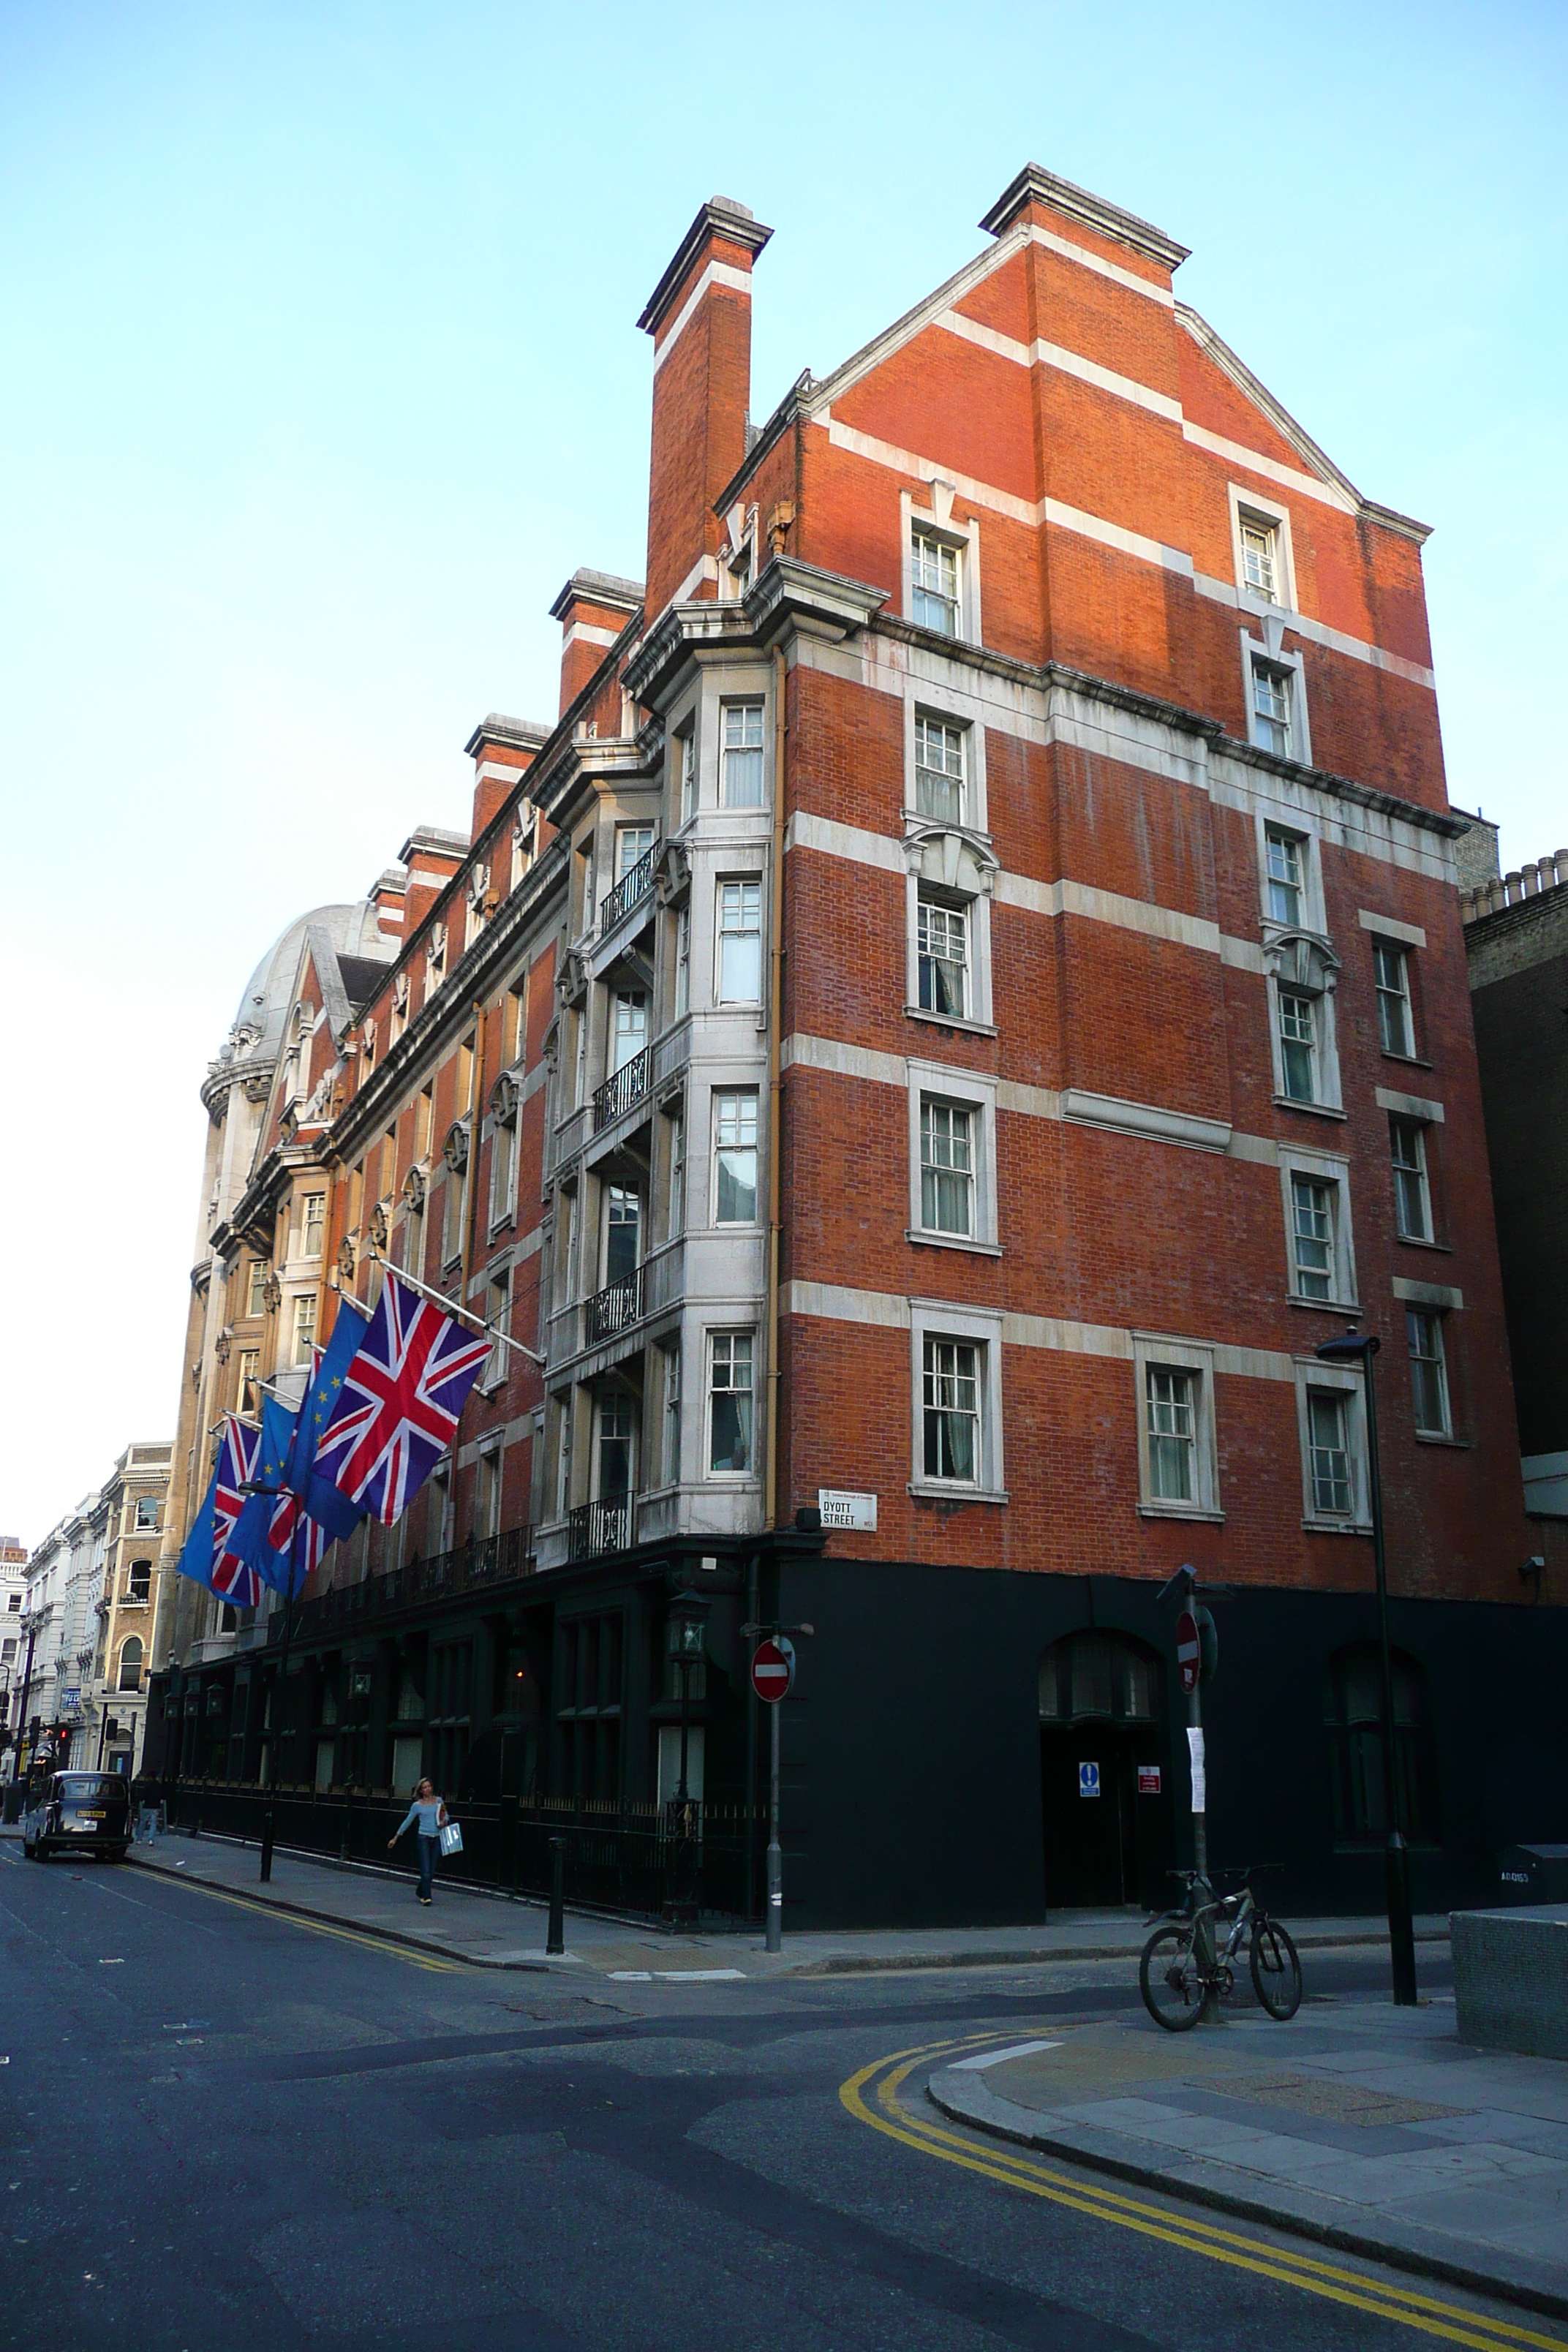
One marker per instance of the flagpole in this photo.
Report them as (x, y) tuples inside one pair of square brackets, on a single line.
[(266, 1819), (453, 1306)]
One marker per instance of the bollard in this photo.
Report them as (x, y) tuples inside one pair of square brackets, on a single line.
[(555, 1940)]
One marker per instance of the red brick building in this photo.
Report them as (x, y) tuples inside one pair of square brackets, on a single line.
[(968, 996)]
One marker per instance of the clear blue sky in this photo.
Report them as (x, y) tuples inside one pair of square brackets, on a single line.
[(320, 374)]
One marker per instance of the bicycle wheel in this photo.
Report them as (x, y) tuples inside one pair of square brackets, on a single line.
[(1276, 1969), (1169, 1978)]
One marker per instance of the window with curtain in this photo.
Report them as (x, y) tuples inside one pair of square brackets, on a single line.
[(938, 769), (943, 953), (951, 1404), (947, 1168)]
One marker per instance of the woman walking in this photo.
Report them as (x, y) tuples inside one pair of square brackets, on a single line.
[(428, 1814)]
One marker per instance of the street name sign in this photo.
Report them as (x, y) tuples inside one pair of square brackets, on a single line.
[(840, 1510), (773, 1670)]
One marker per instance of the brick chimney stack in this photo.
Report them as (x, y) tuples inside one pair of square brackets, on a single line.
[(501, 749), (432, 856), (593, 609), (700, 316)]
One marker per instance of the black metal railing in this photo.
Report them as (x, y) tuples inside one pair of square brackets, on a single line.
[(615, 1308), (599, 1527), (660, 1862), (634, 884), (478, 1565), (623, 1089)]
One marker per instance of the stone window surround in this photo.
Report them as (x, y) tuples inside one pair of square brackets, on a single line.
[(1150, 1347), (932, 1319)]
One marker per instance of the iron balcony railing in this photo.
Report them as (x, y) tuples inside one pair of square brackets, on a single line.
[(615, 1308), (621, 1092), (600, 1527), (634, 884), (478, 1565)]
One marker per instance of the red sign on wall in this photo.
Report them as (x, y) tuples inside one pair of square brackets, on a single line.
[(1147, 1779)]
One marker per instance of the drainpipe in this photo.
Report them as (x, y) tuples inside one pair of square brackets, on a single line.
[(475, 1094), (476, 1098), (776, 1027)]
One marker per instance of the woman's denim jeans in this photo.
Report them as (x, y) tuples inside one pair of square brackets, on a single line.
[(429, 1847)]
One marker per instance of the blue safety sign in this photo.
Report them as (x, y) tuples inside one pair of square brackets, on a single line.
[(1089, 1780)]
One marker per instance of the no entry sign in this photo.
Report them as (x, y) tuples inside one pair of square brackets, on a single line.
[(1189, 1652), (773, 1670)]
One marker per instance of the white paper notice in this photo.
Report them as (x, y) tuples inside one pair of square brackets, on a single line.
[(1196, 1750)]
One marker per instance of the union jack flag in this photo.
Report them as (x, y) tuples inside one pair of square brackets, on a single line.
[(401, 1399), (239, 1447)]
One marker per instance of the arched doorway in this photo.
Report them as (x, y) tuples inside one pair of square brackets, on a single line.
[(1105, 1775)]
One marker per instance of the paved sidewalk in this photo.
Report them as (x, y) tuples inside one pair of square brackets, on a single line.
[(489, 1931), (1369, 2126)]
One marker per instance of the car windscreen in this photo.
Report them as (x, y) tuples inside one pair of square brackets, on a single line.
[(90, 1788)]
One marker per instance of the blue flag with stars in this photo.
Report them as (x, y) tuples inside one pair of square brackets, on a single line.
[(197, 1559), (321, 1499), (249, 1539)]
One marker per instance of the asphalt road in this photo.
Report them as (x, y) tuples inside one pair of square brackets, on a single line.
[(225, 2129)]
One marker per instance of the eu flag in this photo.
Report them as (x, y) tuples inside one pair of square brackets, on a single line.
[(248, 1541), (321, 1499), (197, 1559)]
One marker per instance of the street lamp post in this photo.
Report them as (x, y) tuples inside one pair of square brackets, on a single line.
[(685, 1638), (280, 1692), (1360, 1348)]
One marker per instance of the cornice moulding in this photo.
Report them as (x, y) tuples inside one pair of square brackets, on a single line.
[(1034, 184), (720, 216)]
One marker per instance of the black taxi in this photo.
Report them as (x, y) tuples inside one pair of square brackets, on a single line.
[(78, 1813)]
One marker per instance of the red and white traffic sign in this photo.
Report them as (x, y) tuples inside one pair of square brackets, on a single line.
[(1189, 1650), (773, 1670)]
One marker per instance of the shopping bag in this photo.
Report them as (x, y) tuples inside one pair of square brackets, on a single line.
[(451, 1838)]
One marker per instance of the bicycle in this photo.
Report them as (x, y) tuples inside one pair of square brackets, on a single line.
[(1184, 1968)]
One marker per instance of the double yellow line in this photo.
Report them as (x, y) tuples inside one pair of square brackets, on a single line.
[(887, 2112), (370, 1943)]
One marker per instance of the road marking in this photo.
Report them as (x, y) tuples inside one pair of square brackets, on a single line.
[(676, 1975), (323, 1928), (1427, 2313), (995, 2057)]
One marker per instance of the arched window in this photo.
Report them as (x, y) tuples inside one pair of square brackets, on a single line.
[(1354, 1714), (131, 1666), (1087, 1675)]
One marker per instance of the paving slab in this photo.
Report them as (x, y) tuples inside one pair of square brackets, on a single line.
[(1369, 2127)]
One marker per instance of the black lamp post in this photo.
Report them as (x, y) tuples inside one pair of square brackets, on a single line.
[(1360, 1348), (685, 1632)]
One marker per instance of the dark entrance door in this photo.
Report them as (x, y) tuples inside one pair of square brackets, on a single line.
[(1091, 1834), (1104, 1776)]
